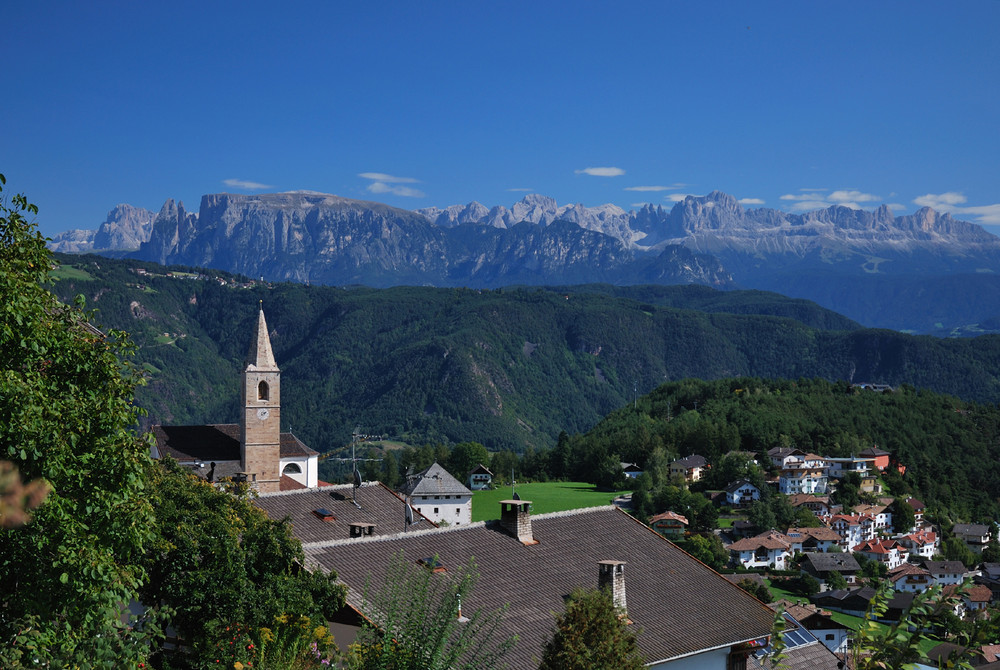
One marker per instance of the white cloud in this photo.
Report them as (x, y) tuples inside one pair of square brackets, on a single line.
[(520, 190), (896, 206), (645, 189), (602, 171), (805, 196), (949, 201), (807, 205), (818, 198), (404, 191), (388, 178), (679, 197), (751, 201), (844, 197), (246, 185)]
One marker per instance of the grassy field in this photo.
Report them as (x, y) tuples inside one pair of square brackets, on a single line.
[(544, 497), (69, 272)]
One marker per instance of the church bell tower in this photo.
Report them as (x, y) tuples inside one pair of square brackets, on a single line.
[(260, 424)]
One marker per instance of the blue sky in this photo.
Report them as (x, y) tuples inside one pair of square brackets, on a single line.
[(791, 105)]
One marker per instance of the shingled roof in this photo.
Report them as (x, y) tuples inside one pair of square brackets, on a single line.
[(376, 504), (680, 605), (433, 481)]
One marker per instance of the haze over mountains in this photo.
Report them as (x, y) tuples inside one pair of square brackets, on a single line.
[(923, 272)]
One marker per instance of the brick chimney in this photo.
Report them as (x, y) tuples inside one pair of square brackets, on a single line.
[(516, 520), (611, 576)]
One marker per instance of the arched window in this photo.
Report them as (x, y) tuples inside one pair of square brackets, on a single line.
[(292, 469), (262, 391)]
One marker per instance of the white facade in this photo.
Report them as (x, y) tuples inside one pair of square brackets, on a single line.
[(304, 470), (455, 510)]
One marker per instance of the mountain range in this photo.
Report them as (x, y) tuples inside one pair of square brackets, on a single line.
[(925, 272)]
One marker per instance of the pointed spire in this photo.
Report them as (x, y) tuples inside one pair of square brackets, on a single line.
[(261, 357)]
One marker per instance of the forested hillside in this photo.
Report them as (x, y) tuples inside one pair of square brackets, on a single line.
[(949, 447), (509, 368)]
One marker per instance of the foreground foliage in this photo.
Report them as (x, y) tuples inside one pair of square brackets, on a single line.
[(233, 578), (591, 635), (413, 623), (66, 418)]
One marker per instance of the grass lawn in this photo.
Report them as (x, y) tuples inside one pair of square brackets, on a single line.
[(71, 273), (544, 497)]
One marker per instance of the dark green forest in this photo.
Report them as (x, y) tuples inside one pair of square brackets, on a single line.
[(509, 368)]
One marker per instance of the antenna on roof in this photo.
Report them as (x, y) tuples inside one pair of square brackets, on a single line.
[(409, 514), (513, 493)]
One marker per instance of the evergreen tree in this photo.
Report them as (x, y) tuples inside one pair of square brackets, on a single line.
[(591, 635)]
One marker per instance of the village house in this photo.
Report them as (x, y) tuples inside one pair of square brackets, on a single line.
[(690, 467), (801, 477), (910, 577), (631, 470), (781, 456), (853, 529), (947, 572), (880, 513), (880, 459), (769, 549), (821, 565), (819, 538), (439, 496), (886, 552), (480, 478), (922, 544), (669, 524), (975, 535), (838, 467), (818, 505), (741, 493), (977, 598), (834, 635), (918, 510)]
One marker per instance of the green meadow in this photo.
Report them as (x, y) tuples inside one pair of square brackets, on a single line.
[(544, 497)]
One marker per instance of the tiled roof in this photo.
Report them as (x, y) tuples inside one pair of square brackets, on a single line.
[(827, 561), (738, 484), (668, 516), (943, 567), (378, 505), (873, 451), (979, 594), (820, 533), (971, 529), (905, 570), (768, 540), (679, 604), (215, 442), (694, 461), (435, 480)]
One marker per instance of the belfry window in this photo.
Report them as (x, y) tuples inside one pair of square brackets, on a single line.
[(262, 391)]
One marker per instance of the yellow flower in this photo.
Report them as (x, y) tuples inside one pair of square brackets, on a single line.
[(238, 666)]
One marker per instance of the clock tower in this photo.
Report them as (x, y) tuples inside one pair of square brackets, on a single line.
[(260, 424)]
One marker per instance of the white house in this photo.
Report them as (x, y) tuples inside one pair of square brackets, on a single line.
[(741, 493), (922, 544), (439, 496), (770, 549), (480, 478)]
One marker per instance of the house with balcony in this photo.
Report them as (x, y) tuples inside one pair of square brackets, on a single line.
[(770, 549), (690, 467), (741, 493)]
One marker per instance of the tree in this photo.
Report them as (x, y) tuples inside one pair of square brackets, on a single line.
[(903, 518), (67, 418), (222, 565), (757, 590), (835, 580), (709, 550), (464, 457), (591, 635), (413, 623), (896, 645)]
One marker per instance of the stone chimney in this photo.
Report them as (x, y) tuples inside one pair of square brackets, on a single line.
[(611, 576), (516, 520)]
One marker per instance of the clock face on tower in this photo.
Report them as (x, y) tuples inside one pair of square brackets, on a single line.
[(263, 413)]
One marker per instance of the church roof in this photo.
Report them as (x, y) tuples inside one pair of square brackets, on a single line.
[(215, 442), (260, 356), (435, 480), (680, 605)]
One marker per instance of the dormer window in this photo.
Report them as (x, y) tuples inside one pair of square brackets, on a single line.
[(262, 391)]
